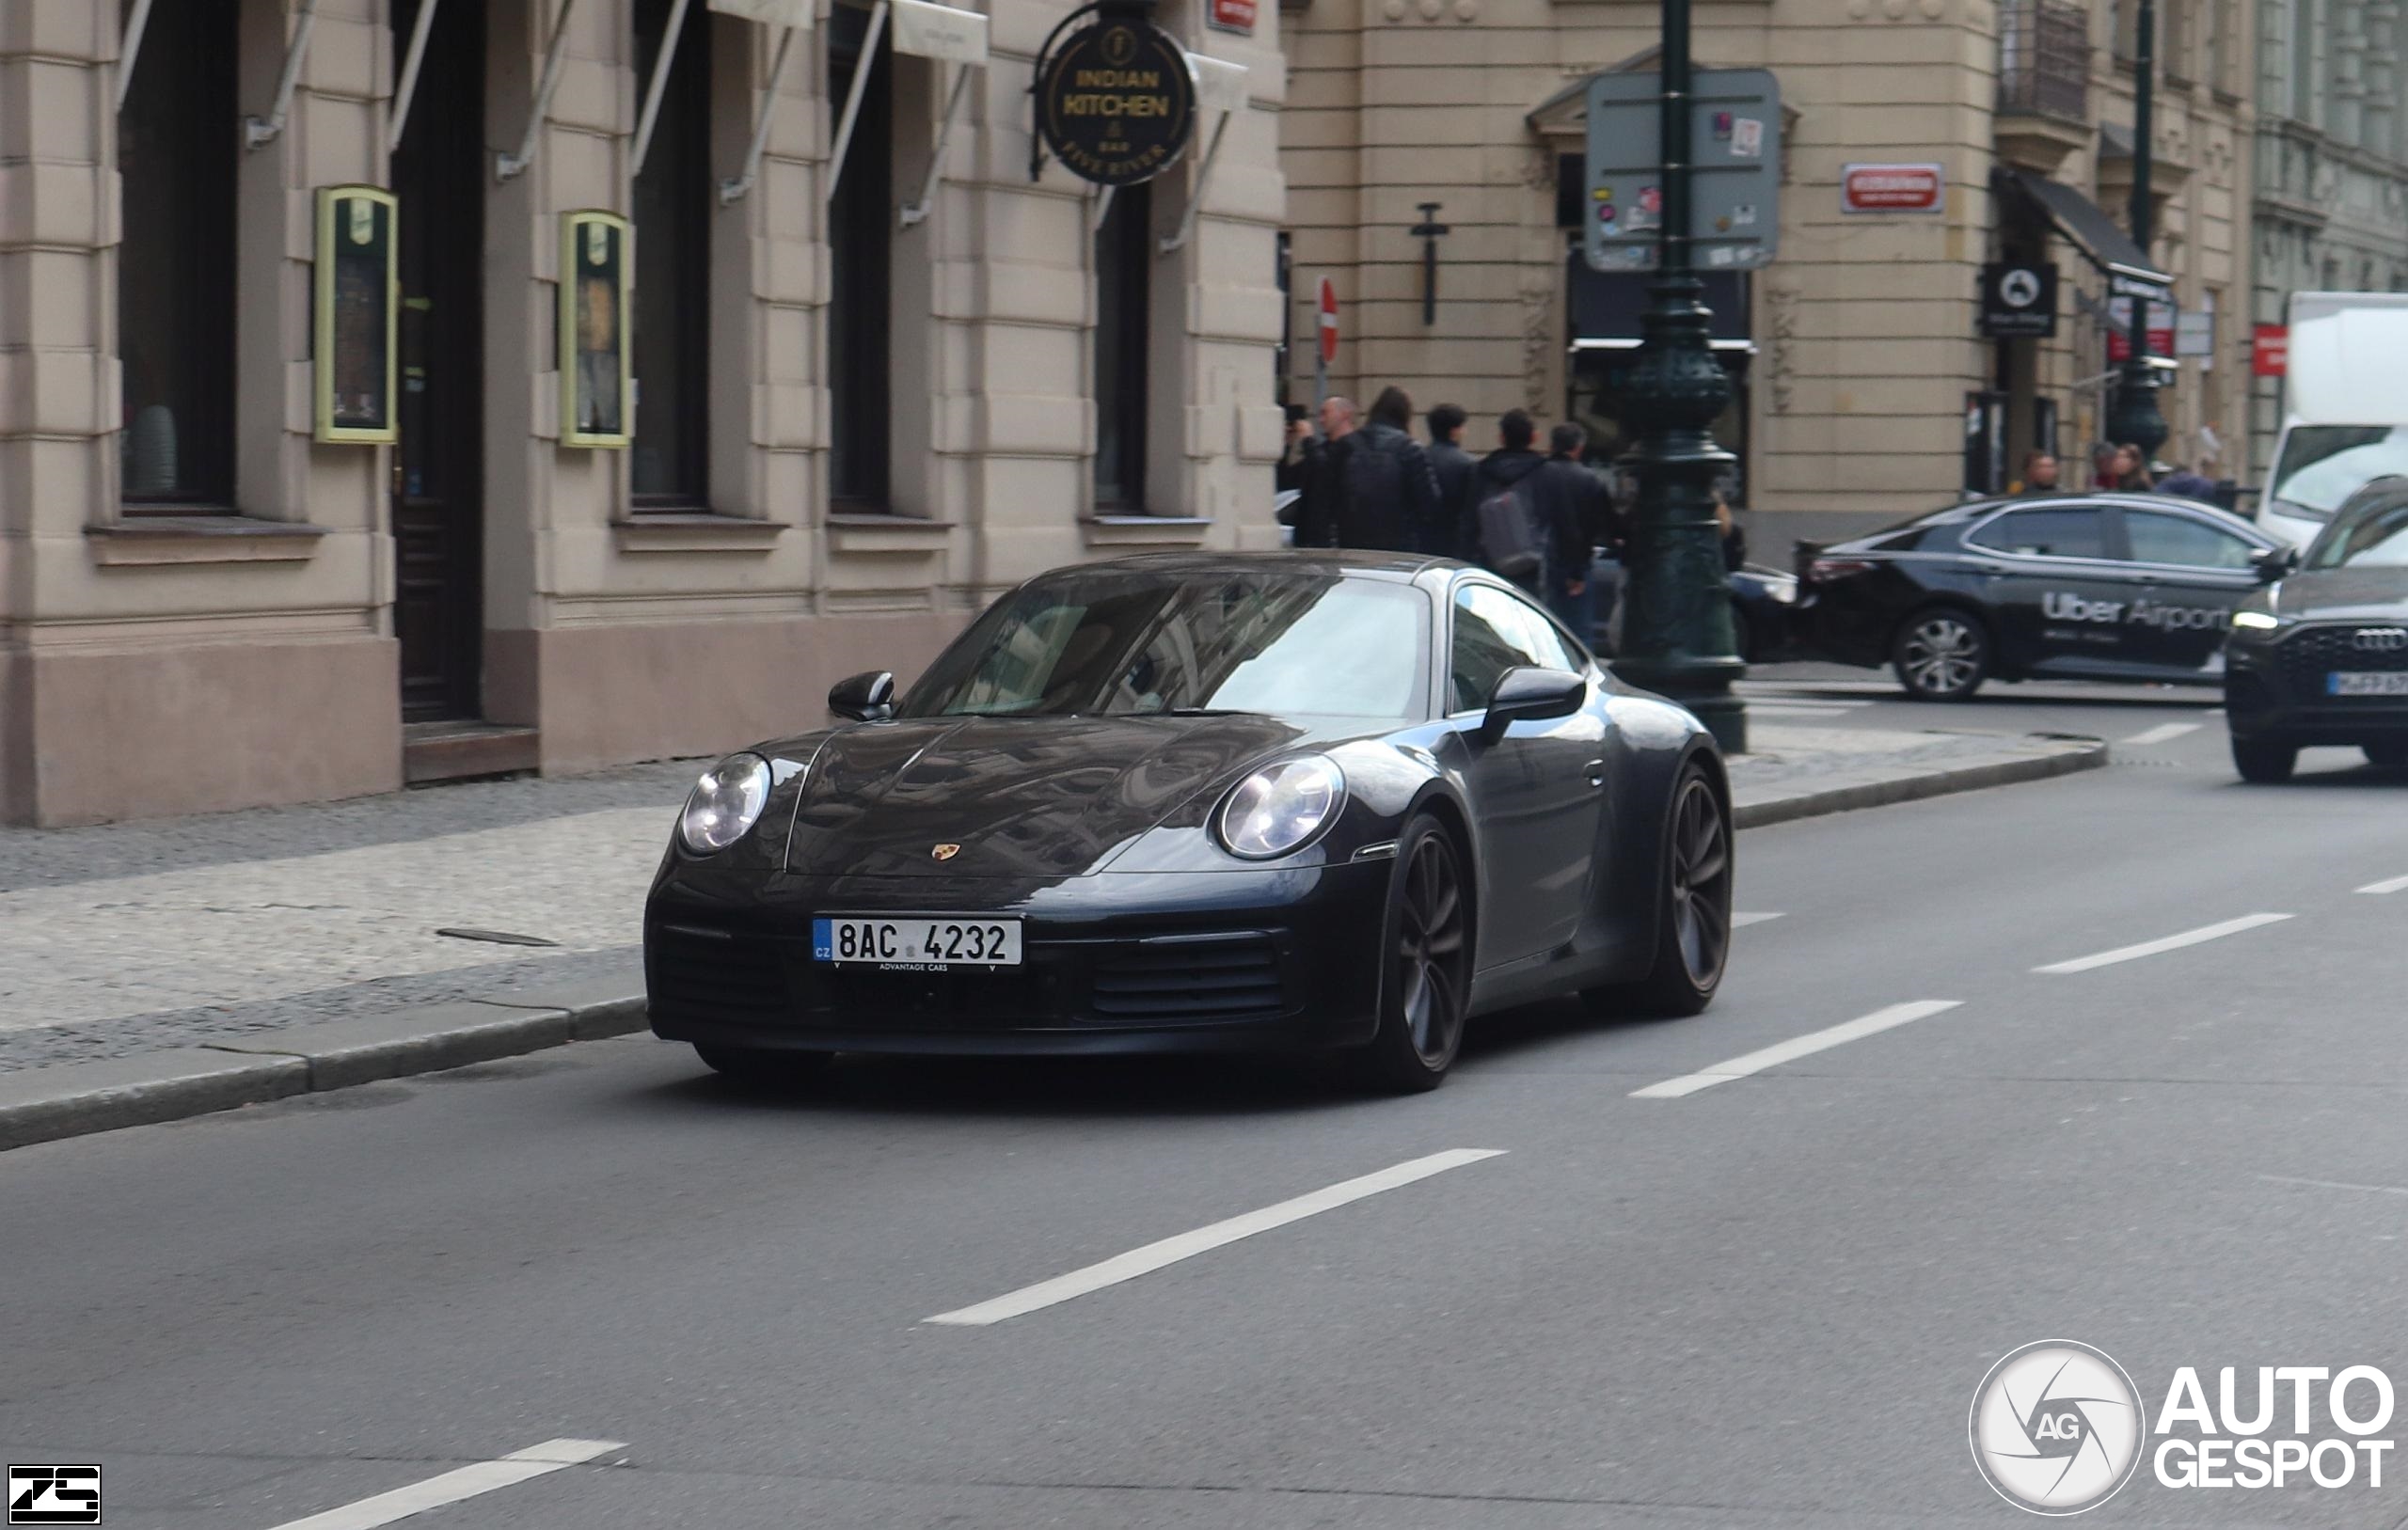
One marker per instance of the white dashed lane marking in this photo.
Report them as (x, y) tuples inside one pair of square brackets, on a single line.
[(2172, 942), (1740, 921), (1171, 1251), (452, 1487), (2391, 885), (1789, 1051)]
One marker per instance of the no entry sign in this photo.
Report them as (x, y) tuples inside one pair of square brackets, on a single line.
[(1328, 306)]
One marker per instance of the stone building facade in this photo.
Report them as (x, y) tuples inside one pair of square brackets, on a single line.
[(1856, 349), (2332, 175), (851, 429)]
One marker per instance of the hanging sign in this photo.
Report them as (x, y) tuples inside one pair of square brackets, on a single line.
[(2270, 351), (769, 13), (932, 31), (2019, 300), (597, 397), (357, 318), (1115, 100), (1231, 16)]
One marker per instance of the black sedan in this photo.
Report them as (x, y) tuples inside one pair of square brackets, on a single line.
[(1290, 801), (2320, 657), (2093, 587)]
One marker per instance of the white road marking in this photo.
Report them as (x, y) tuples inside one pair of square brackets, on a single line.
[(2392, 885), (1789, 1051), (1171, 1251), (451, 1486), (2171, 942), (2332, 1184), (1742, 921), (1794, 709), (2164, 732)]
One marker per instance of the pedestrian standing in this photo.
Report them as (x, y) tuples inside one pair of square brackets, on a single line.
[(1392, 496), (2131, 470), (1573, 502), (2187, 483), (1456, 470), (1290, 473), (2039, 476), (1322, 506), (1509, 519), (2106, 466)]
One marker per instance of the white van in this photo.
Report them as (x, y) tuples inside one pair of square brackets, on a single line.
[(2345, 419)]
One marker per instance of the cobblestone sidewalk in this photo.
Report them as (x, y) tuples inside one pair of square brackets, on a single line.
[(128, 938)]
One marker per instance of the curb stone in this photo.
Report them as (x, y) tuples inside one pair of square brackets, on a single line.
[(72, 1099)]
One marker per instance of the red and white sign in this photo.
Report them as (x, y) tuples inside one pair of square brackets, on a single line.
[(1893, 188), (1233, 16), (1328, 321), (2270, 351), (2119, 333)]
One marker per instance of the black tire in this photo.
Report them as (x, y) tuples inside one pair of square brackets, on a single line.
[(1693, 911), (2267, 761), (762, 1070), (1940, 654), (1425, 961), (2388, 756)]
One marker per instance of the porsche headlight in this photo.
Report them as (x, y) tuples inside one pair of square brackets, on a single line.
[(724, 803), (1280, 807)]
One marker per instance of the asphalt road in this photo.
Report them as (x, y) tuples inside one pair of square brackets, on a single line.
[(1684, 1291)]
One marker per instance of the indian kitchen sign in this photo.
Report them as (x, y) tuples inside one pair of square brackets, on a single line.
[(1115, 100)]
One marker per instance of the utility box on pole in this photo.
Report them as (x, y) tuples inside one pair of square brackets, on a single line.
[(1736, 184)]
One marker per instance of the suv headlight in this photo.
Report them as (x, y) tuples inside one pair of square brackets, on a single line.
[(1280, 808), (725, 803), (2255, 620)]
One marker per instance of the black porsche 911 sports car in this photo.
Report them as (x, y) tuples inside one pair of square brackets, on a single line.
[(2320, 655), (2092, 586), (1335, 801)]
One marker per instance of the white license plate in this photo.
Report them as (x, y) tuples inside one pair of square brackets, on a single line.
[(2366, 683), (917, 944)]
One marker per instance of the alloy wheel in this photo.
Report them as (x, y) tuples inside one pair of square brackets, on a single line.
[(1431, 951), (1700, 866), (1941, 656)]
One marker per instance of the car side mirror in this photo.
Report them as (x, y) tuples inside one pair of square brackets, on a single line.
[(1528, 694), (867, 696), (2273, 563)]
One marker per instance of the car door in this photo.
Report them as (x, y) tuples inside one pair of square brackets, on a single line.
[(2197, 573), (1538, 789), (2059, 590)]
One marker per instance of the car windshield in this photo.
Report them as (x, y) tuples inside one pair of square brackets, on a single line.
[(2375, 537), (1116, 643), (2322, 465)]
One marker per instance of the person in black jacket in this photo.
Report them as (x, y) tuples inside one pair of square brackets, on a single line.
[(1553, 513), (1456, 469), (1320, 507), (1574, 497), (1390, 496)]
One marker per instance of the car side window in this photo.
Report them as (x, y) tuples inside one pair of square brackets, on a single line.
[(2068, 532), (1495, 632), (2159, 538)]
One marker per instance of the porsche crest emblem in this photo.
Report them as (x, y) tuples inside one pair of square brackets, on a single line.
[(945, 852)]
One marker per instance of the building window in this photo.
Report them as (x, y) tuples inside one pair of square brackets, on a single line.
[(1124, 262), (177, 158), (674, 203), (861, 223)]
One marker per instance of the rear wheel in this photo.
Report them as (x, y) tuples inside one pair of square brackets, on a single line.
[(1942, 655), (1693, 912), (2265, 760), (1425, 981), (759, 1069), (2388, 756)]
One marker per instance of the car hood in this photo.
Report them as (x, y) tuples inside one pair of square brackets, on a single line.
[(1019, 797), (2345, 594)]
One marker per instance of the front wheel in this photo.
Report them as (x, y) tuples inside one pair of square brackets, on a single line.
[(1425, 954), (1693, 912), (1942, 655), (2267, 761)]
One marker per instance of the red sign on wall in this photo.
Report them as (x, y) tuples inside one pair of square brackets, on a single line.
[(1233, 16), (2119, 333), (2270, 351), (1893, 188)]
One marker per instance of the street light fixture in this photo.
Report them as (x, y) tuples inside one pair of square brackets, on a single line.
[(1676, 628)]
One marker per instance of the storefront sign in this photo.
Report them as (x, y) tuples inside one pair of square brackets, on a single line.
[(945, 32), (1233, 16), (2119, 330), (597, 397), (2270, 351), (769, 13), (1116, 102), (357, 313), (2019, 300), (1893, 188)]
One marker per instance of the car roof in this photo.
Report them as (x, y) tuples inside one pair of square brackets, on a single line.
[(1387, 566)]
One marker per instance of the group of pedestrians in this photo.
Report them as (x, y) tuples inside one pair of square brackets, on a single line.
[(2118, 469), (1537, 519)]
